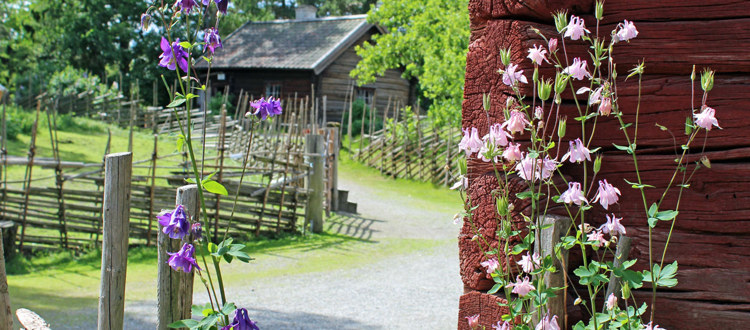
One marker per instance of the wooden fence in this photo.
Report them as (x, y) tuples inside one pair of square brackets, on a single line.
[(65, 210)]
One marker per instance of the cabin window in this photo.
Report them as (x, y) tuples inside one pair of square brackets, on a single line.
[(365, 94), (273, 89)]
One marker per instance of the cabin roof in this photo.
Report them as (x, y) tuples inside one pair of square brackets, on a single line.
[(289, 44)]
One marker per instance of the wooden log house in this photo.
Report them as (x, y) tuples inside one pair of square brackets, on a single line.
[(711, 239), (284, 58)]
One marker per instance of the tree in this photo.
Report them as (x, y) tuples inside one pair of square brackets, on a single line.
[(429, 39)]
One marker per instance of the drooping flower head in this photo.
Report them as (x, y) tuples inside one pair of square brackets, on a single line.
[(473, 321), (265, 108), (626, 31), (183, 260), (212, 40), (605, 107), (222, 6), (511, 75), (529, 262), (500, 325), (145, 19), (706, 118), (650, 326), (497, 135), (517, 122), (175, 223), (596, 236), (173, 56), (576, 28), (521, 287), (578, 70), (491, 265), (185, 5), (537, 55), (613, 226), (197, 231), (513, 152), (607, 194), (462, 183), (577, 152), (241, 321), (573, 195), (611, 301), (552, 45), (548, 323), (532, 169), (470, 143)]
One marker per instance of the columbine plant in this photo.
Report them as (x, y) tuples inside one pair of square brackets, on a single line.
[(535, 118), (180, 50)]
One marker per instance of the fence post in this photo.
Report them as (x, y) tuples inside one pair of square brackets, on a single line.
[(175, 289), (6, 316), (333, 177), (314, 211), (554, 228), (116, 218)]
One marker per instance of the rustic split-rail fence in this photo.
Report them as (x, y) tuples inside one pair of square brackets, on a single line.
[(64, 210)]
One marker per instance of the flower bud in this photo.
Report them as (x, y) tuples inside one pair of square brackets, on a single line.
[(599, 10), (706, 162), (486, 102), (545, 89), (692, 74), (578, 301), (505, 56), (502, 206), (552, 45), (561, 20), (535, 77), (561, 126), (462, 166), (197, 231), (707, 80), (561, 81), (145, 20), (598, 164)]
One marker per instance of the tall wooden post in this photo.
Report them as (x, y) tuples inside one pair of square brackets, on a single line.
[(116, 218), (175, 289), (314, 211), (6, 316), (151, 192)]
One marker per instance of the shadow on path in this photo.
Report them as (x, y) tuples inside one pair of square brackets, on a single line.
[(274, 319), (352, 225)]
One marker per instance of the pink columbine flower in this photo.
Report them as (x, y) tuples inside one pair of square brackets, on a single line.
[(521, 287), (511, 76), (529, 263), (598, 237), (573, 194), (607, 194), (491, 265), (473, 321), (552, 45), (517, 122), (513, 152), (611, 301), (577, 152), (534, 169), (461, 184), (548, 323), (626, 31), (650, 326), (613, 226), (538, 112), (502, 326), (457, 218), (576, 28), (470, 143), (578, 70), (605, 107), (536, 55), (548, 167), (706, 118), (498, 136)]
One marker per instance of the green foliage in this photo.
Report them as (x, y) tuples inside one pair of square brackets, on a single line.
[(214, 105), (20, 121), (429, 40), (358, 108), (71, 81)]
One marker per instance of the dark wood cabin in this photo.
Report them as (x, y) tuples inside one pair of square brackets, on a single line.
[(284, 58)]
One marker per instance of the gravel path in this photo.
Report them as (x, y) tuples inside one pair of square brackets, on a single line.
[(414, 290)]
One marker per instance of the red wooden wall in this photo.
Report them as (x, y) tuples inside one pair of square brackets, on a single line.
[(712, 234)]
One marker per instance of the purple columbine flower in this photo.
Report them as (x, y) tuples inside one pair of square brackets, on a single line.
[(212, 40), (241, 321), (174, 55), (222, 5), (185, 5), (183, 260), (197, 231), (175, 223), (266, 108)]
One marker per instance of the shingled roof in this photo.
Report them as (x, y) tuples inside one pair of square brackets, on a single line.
[(290, 44)]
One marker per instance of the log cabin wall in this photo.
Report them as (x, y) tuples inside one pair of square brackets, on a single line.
[(336, 83), (253, 81), (711, 239)]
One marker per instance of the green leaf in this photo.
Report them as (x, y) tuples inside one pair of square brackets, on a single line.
[(180, 142), (228, 308), (190, 96), (652, 222), (210, 176), (495, 288), (178, 100), (240, 255), (652, 210), (215, 187), (666, 215), (636, 185), (212, 247), (190, 180), (619, 147), (525, 194), (185, 45), (187, 323)]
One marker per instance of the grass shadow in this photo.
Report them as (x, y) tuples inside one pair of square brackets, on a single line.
[(352, 225)]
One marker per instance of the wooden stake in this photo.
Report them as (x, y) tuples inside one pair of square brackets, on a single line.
[(116, 218), (154, 157), (6, 316), (314, 211)]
